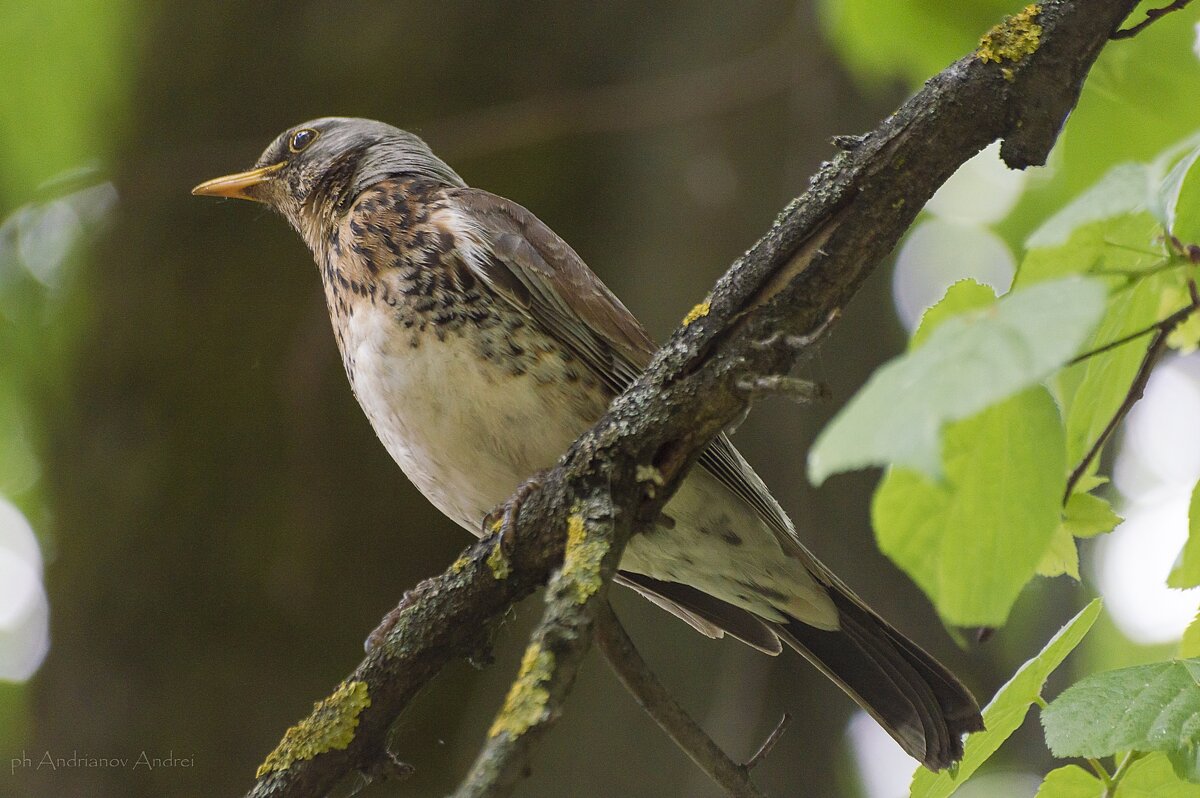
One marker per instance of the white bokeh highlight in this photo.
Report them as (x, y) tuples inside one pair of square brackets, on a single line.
[(936, 255), (24, 610), (883, 767), (885, 771), (957, 243), (1156, 467), (983, 190), (42, 235)]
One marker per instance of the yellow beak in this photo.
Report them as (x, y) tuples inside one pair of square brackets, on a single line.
[(234, 186)]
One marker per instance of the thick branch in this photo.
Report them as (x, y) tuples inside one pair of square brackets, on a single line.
[(808, 265), (577, 592)]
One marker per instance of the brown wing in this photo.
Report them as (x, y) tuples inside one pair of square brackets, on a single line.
[(536, 270), (920, 703), (528, 264)]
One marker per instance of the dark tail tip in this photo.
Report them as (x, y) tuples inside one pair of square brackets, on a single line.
[(915, 698)]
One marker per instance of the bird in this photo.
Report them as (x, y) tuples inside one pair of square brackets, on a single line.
[(480, 346)]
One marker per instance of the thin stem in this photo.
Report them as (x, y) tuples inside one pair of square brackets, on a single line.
[(1151, 16), (652, 696), (1114, 344), (1101, 773), (1162, 265), (1123, 768), (1111, 784), (1162, 330), (1139, 250), (768, 745), (1136, 388)]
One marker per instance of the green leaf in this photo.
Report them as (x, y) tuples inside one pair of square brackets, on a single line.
[(975, 539), (1084, 516), (1178, 206), (1006, 712), (1087, 516), (1071, 781), (1061, 556), (1144, 708), (1093, 390), (1127, 188), (874, 37), (1186, 572), (968, 363), (1152, 777), (1189, 646), (960, 297), (1185, 338), (1123, 243), (1186, 763)]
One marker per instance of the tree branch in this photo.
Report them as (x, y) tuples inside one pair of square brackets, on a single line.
[(1151, 15), (673, 719), (807, 266), (577, 592)]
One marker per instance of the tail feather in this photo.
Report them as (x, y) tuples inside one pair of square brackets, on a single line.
[(912, 696), (706, 614), (909, 693)]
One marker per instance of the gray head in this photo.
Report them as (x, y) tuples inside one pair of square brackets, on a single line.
[(313, 168)]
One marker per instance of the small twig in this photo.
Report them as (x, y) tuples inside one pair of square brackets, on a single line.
[(1136, 388), (1162, 265), (1108, 242), (1151, 15), (1100, 350), (848, 142), (1162, 330), (768, 745), (800, 342), (793, 388), (388, 767), (659, 704)]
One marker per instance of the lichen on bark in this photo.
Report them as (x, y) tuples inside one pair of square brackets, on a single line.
[(330, 726)]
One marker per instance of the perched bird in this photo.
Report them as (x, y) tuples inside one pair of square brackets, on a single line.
[(480, 346)]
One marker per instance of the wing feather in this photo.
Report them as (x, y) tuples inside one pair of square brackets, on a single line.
[(529, 265)]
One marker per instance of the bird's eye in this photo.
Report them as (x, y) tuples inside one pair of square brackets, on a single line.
[(301, 139)]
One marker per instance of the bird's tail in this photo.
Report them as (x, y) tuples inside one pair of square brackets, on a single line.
[(912, 695)]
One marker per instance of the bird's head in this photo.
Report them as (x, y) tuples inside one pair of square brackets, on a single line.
[(313, 170)]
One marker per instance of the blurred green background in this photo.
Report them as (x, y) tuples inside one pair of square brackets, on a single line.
[(220, 527)]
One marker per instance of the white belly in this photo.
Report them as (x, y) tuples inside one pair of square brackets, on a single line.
[(467, 432), (464, 429)]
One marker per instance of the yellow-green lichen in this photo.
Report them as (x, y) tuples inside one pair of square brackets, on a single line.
[(330, 726), (581, 561), (1016, 37), (498, 562), (458, 565), (525, 704), (698, 312)]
